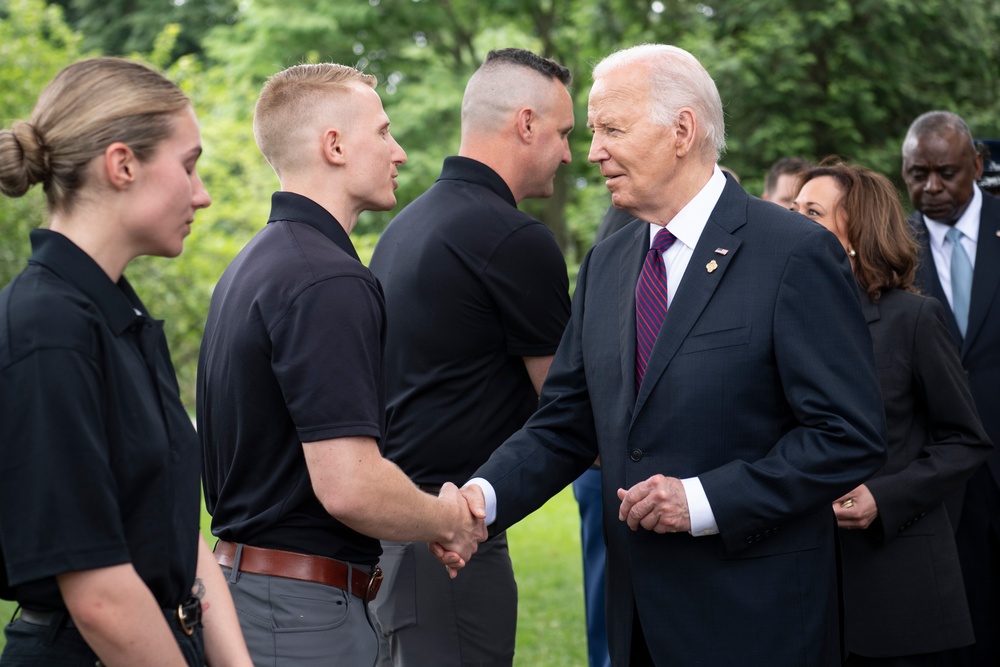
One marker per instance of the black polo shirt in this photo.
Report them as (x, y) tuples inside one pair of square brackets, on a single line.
[(99, 463), (472, 285), (292, 353)]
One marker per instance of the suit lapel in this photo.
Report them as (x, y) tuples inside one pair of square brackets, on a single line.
[(986, 278), (697, 285), (871, 310), (628, 275)]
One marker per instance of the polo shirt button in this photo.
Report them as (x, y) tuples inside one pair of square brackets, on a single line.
[(635, 454)]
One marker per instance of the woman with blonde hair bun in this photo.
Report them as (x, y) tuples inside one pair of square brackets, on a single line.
[(902, 583), (99, 462)]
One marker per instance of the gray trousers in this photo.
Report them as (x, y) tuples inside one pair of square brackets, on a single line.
[(287, 622), (427, 618)]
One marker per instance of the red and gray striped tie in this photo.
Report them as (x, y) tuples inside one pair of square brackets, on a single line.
[(650, 301)]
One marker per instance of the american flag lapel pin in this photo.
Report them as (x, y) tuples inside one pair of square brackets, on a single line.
[(723, 251)]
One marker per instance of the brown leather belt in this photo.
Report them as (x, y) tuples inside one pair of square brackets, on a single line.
[(302, 567)]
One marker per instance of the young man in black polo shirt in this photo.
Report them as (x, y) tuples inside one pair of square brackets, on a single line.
[(291, 396), (477, 296)]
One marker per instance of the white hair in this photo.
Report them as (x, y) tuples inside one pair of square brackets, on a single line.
[(934, 123), (676, 80)]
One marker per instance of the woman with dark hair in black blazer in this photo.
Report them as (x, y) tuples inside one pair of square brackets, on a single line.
[(902, 585)]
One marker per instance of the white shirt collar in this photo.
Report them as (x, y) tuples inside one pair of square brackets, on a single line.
[(968, 224), (690, 221)]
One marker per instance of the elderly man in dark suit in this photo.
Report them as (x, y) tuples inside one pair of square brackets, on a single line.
[(958, 227), (726, 430)]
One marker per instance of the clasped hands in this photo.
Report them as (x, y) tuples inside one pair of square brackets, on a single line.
[(469, 526), (658, 504), (856, 510)]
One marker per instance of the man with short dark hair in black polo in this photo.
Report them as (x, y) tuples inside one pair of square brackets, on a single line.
[(291, 396), (477, 299)]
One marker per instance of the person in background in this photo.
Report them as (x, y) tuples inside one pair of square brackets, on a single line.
[(587, 491), (781, 179), (99, 462), (291, 394), (957, 228), (477, 297), (989, 181), (902, 582)]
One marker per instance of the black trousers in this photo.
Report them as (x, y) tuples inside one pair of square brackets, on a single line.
[(639, 655), (978, 541), (62, 646)]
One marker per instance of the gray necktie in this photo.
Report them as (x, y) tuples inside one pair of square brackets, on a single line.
[(961, 279)]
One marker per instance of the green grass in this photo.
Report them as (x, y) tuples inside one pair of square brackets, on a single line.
[(6, 611), (545, 549)]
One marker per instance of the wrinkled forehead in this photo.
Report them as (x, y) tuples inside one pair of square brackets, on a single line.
[(618, 92), (939, 149)]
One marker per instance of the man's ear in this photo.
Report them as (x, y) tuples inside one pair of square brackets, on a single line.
[(526, 119), (333, 147), (120, 165), (686, 129)]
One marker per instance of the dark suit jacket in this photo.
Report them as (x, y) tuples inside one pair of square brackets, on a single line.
[(614, 220), (902, 581), (980, 350), (762, 383)]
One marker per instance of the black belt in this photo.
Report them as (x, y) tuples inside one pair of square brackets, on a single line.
[(45, 618), (186, 615)]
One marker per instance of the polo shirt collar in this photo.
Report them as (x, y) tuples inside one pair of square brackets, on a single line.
[(293, 207), (458, 168), (117, 302)]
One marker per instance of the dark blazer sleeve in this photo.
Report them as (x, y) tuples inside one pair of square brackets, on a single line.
[(945, 419), (558, 443)]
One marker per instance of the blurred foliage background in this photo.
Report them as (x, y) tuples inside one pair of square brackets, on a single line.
[(797, 77)]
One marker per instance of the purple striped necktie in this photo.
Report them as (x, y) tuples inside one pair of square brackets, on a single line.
[(650, 301)]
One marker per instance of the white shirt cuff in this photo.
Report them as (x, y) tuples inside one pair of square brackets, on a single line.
[(490, 495), (699, 510)]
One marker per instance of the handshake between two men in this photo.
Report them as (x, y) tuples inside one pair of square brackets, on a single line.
[(658, 504)]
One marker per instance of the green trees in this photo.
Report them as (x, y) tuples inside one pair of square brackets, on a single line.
[(120, 27), (35, 43), (847, 77), (796, 77)]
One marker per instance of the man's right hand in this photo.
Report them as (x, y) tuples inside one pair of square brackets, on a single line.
[(470, 526)]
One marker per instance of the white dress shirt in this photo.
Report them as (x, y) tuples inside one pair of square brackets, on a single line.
[(687, 227), (968, 224)]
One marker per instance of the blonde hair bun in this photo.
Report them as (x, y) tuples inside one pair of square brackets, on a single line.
[(24, 160)]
